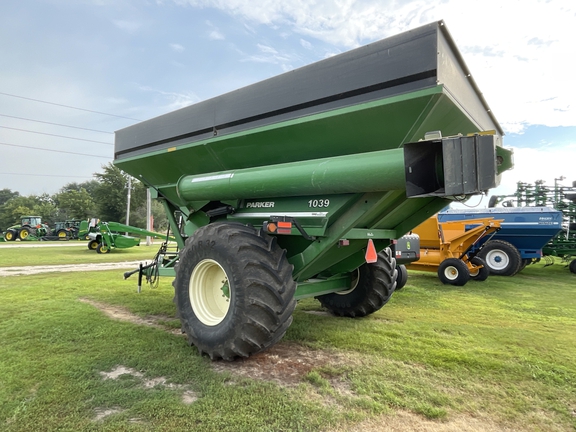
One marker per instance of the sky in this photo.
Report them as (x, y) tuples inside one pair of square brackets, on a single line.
[(74, 71)]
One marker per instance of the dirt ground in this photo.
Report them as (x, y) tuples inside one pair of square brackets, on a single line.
[(287, 365)]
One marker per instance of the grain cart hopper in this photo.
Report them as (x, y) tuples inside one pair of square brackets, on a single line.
[(445, 248), (294, 187)]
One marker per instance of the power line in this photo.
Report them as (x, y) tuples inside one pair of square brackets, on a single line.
[(43, 175), (68, 106), (55, 124), (55, 151), (59, 136)]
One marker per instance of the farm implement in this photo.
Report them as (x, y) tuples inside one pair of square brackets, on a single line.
[(105, 236), (297, 186), (445, 248), (523, 234), (562, 199)]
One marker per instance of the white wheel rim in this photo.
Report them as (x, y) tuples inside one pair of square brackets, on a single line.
[(206, 289), (451, 273), (353, 284), (497, 259)]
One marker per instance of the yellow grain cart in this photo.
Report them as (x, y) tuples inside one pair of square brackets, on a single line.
[(444, 248)]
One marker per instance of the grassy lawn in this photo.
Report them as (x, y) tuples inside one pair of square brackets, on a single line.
[(497, 355), (12, 254)]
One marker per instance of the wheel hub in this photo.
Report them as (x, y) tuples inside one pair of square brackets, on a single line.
[(497, 259), (209, 292), (451, 273)]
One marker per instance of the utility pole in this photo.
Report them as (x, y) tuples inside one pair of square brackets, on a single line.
[(148, 216), (128, 205)]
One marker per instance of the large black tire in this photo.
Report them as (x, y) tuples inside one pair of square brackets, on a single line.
[(524, 263), (573, 266), (234, 290), (372, 287), (93, 244), (481, 272), (402, 277), (502, 258), (453, 271)]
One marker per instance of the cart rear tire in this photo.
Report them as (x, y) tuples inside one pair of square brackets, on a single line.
[(372, 287), (234, 290), (481, 271), (453, 271), (402, 277), (573, 266), (502, 258)]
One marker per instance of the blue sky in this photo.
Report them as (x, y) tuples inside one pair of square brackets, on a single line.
[(139, 59)]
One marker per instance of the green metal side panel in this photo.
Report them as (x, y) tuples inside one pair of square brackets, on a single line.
[(372, 126)]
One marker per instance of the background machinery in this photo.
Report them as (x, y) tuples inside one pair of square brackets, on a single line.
[(105, 236), (558, 197), (446, 248), (30, 228)]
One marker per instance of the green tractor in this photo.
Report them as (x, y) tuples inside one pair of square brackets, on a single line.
[(30, 228), (68, 229)]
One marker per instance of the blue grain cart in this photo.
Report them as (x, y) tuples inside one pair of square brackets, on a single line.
[(524, 232)]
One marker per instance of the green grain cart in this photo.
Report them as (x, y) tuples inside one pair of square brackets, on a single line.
[(297, 186)]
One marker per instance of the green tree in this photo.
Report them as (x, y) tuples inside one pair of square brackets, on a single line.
[(45, 207), (15, 208), (89, 186), (7, 194), (75, 204), (111, 195)]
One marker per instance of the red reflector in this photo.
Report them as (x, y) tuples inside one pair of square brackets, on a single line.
[(371, 254), (284, 227)]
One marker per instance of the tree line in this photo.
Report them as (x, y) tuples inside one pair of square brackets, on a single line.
[(105, 198)]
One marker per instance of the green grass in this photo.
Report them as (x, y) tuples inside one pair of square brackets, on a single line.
[(58, 254), (503, 349)]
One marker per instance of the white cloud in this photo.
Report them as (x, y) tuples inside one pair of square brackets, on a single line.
[(177, 47), (216, 35), (172, 101), (266, 49), (519, 52), (127, 26), (268, 54), (305, 44)]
